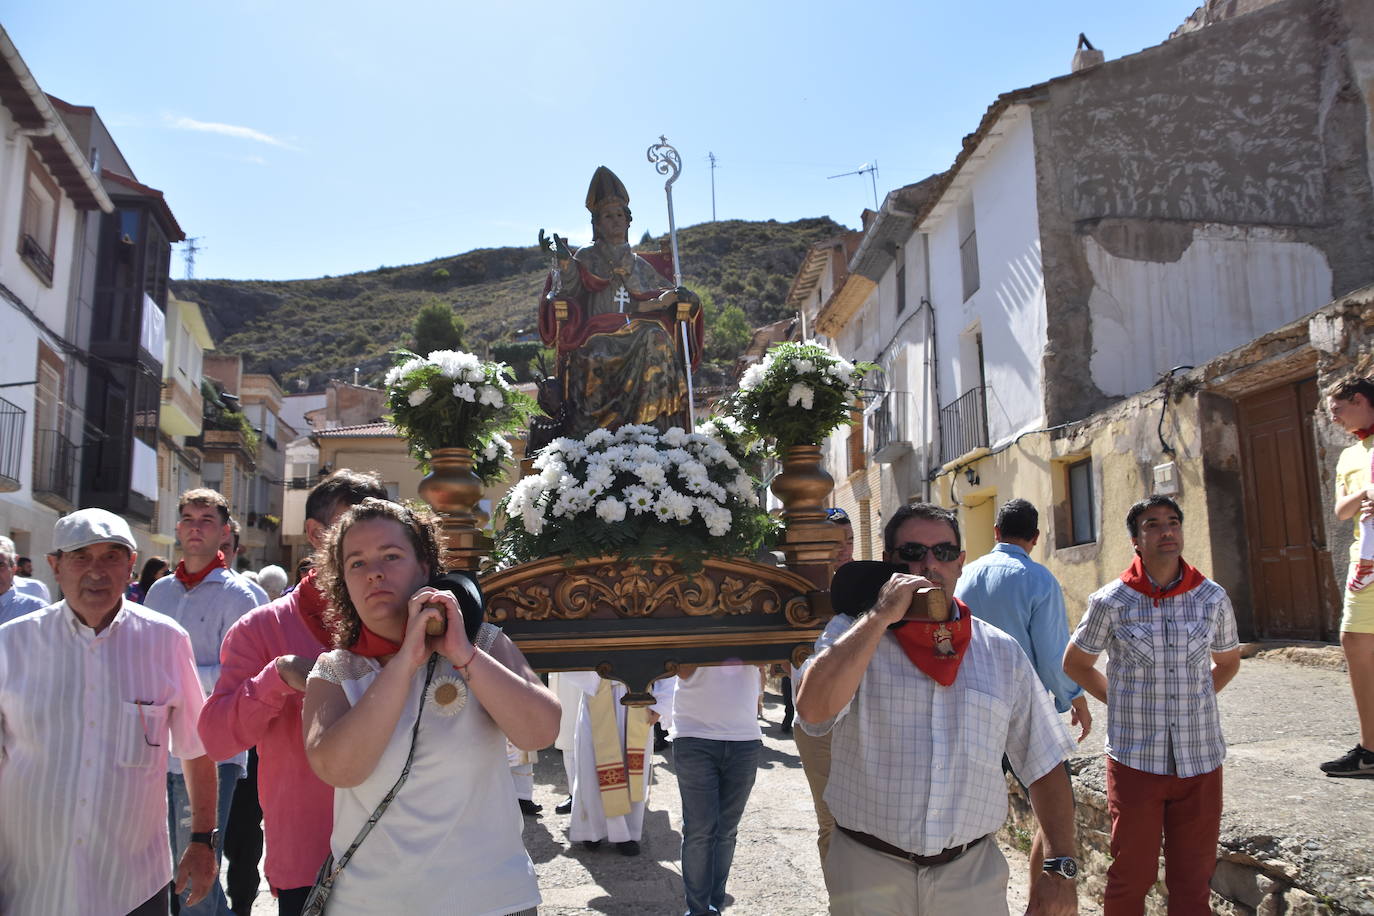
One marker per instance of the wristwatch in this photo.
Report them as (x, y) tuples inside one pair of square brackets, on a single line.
[(211, 839), (1064, 866)]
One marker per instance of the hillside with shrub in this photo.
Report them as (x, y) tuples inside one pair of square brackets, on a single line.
[(306, 332)]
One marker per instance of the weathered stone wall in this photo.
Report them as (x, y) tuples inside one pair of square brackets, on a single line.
[(1257, 122)]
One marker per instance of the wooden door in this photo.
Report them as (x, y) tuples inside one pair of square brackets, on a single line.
[(1290, 566)]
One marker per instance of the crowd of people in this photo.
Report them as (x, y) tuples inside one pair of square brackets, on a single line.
[(391, 726)]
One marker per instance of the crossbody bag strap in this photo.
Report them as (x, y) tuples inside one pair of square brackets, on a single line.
[(400, 781)]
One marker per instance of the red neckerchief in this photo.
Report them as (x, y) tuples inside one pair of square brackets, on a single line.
[(311, 604), (371, 645), (1135, 577), (1363, 434), (191, 580), (937, 646)]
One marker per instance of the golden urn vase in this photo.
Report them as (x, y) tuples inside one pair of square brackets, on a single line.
[(453, 490), (810, 541)]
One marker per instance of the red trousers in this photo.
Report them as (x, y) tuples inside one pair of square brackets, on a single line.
[(1186, 813)]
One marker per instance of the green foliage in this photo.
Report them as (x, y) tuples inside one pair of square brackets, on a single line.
[(318, 329), (437, 328), (727, 333), (519, 355), (440, 274)]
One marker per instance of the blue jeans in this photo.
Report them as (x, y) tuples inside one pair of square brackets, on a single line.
[(179, 827), (714, 779)]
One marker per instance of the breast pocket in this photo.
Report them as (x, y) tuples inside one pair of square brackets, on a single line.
[(1199, 636), (1136, 643), (142, 734), (984, 717)]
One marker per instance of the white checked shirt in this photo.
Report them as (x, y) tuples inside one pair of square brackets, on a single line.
[(83, 789), (920, 765), (206, 612), (1161, 707)]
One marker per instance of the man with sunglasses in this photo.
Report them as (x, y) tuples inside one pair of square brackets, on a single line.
[(1171, 643), (922, 712), (94, 692)]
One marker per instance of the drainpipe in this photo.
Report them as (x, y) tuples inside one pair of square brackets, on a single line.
[(930, 384)]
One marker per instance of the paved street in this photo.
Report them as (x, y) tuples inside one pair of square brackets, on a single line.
[(777, 868)]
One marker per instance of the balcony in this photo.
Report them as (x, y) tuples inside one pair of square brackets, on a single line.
[(54, 470), (890, 429), (964, 424), (33, 254), (183, 409), (11, 445)]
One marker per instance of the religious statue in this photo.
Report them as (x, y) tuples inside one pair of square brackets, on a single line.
[(617, 323)]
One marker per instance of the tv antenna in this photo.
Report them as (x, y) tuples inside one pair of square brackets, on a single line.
[(871, 170), (189, 253), (712, 157)]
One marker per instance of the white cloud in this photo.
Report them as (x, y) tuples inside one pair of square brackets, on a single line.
[(227, 130)]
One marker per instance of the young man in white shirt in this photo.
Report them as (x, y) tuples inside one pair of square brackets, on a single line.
[(206, 598)]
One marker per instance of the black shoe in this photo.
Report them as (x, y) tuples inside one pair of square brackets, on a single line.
[(785, 728), (591, 844), (563, 807), (1357, 762), (628, 848), (529, 808)]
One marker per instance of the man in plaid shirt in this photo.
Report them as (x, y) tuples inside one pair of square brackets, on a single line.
[(1170, 637)]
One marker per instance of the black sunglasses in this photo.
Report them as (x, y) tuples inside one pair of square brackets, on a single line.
[(945, 552)]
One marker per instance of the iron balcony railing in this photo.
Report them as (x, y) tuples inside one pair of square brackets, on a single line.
[(964, 424), (891, 431), (11, 445), (54, 465)]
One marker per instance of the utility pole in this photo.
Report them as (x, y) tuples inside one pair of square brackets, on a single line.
[(712, 157), (871, 170), (189, 252)]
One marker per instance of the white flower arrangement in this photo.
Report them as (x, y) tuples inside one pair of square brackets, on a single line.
[(636, 491), (451, 398), (797, 394)]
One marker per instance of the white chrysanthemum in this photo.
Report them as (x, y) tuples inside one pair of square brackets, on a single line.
[(639, 499), (752, 377), (610, 509), (598, 437), (465, 392), (651, 473), (447, 694), (675, 437), (490, 394), (800, 394), (532, 519), (676, 506), (418, 396), (474, 374), (803, 366)]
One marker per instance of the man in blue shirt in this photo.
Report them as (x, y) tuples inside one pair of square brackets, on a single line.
[(1019, 596)]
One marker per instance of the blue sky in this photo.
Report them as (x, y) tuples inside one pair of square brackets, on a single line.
[(302, 138)]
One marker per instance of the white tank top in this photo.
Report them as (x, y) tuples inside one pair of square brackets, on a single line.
[(450, 842)]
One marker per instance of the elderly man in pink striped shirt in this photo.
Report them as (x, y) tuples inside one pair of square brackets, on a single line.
[(91, 690)]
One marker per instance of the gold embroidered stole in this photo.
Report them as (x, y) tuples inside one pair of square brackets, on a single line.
[(619, 774)]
